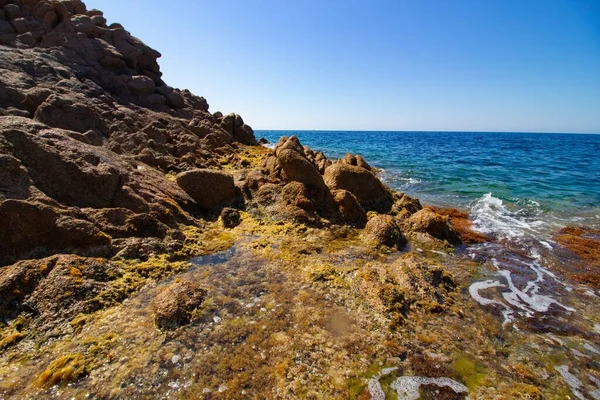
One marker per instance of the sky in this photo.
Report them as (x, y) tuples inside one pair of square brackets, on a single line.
[(481, 65)]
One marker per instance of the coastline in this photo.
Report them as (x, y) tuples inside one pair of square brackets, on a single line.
[(151, 248)]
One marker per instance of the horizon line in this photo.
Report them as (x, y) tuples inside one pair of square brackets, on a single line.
[(428, 131)]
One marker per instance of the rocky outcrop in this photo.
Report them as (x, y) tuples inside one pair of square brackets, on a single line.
[(174, 305), (55, 288), (434, 224), (89, 132), (350, 210), (357, 161), (208, 188), (383, 230), (371, 194)]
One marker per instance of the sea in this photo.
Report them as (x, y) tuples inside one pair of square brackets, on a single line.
[(513, 184)]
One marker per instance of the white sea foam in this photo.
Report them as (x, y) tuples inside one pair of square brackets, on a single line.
[(571, 380), (407, 387), (374, 387), (591, 348), (524, 302), (492, 217)]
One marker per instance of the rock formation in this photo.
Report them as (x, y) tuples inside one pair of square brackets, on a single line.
[(111, 181), (88, 130)]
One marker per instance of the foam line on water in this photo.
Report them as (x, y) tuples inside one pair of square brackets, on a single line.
[(571, 380), (407, 387)]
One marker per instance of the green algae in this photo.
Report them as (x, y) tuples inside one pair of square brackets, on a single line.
[(469, 371)]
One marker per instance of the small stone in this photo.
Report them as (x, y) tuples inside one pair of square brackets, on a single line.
[(230, 217)]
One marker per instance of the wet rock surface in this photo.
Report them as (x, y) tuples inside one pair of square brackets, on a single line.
[(321, 283), (174, 305)]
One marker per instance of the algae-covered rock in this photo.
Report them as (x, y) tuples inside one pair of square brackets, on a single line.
[(436, 225), (208, 188), (174, 305), (383, 230)]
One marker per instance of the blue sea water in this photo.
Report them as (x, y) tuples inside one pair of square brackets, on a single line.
[(549, 178)]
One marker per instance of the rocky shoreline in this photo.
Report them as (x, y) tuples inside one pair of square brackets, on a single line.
[(152, 248)]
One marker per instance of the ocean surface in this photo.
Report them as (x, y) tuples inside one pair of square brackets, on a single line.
[(512, 183)]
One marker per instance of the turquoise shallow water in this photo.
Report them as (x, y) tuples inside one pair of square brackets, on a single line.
[(547, 177)]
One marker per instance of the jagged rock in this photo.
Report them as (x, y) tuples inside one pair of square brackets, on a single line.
[(141, 84), (405, 206), (208, 188), (297, 194), (383, 230), (436, 225), (174, 305), (364, 185), (230, 217), (235, 126)]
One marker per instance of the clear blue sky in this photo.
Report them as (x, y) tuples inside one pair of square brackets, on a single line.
[(502, 65)]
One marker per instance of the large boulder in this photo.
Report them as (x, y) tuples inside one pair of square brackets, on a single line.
[(174, 305), (383, 230), (235, 126), (208, 188), (436, 225), (296, 167), (363, 184)]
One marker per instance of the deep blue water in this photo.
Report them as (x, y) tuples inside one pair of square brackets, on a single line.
[(554, 175)]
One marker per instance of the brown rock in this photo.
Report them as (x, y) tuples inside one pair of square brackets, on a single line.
[(208, 188), (174, 305), (296, 167), (357, 160), (371, 194), (297, 194), (462, 225), (230, 217), (69, 113), (351, 211), (382, 230), (31, 229), (54, 287), (436, 225)]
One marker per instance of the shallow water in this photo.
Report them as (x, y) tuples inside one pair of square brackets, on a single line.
[(520, 189)]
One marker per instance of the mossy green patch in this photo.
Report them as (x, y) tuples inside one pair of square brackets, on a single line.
[(467, 370)]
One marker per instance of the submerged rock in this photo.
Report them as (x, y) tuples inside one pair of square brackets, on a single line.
[(174, 305)]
